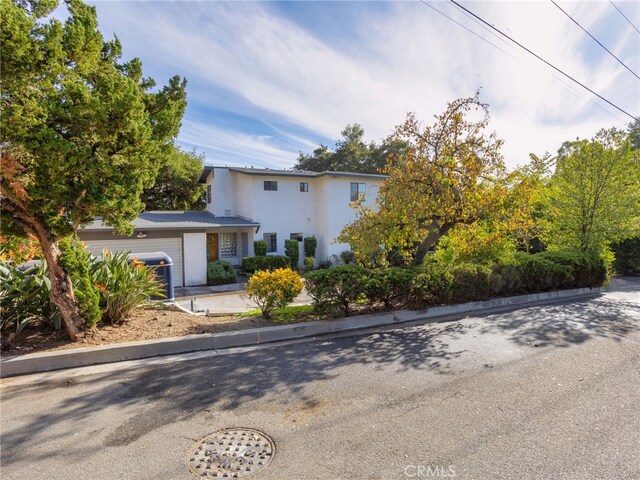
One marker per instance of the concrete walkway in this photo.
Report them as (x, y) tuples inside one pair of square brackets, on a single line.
[(230, 303)]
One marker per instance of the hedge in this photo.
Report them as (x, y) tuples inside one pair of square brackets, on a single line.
[(292, 250), (436, 284), (267, 262), (627, 254), (220, 273)]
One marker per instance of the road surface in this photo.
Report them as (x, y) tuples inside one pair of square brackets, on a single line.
[(542, 392)]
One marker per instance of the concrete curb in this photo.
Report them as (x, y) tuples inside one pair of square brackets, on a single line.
[(79, 357)]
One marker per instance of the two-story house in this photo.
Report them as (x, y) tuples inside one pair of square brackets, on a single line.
[(243, 205)]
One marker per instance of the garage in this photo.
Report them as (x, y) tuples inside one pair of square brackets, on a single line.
[(170, 246)]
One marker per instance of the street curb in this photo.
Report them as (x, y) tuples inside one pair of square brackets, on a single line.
[(80, 357)]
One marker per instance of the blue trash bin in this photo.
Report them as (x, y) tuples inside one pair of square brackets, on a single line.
[(164, 271)]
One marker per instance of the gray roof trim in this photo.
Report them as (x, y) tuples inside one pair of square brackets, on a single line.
[(176, 220), (288, 173)]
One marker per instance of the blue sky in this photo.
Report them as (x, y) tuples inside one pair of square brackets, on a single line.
[(267, 80)]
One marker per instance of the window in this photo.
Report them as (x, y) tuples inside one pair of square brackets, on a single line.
[(272, 242), (208, 193), (295, 236), (357, 191), (304, 187), (228, 244), (271, 185)]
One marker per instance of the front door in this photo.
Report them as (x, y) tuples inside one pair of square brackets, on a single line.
[(212, 247)]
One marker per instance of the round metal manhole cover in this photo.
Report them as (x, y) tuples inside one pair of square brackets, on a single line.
[(231, 453)]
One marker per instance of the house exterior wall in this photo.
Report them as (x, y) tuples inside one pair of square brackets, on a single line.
[(194, 248), (322, 211)]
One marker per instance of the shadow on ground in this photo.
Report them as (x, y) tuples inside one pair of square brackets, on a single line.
[(566, 324), (178, 391)]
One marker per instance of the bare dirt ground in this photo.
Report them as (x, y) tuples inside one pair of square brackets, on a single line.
[(146, 324)]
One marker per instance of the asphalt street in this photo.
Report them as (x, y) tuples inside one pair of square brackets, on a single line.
[(542, 392)]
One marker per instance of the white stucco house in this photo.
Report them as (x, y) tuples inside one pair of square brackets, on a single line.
[(243, 205)]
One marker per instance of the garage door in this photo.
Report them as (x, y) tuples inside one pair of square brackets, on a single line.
[(170, 246)]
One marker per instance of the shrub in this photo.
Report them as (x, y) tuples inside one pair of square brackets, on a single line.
[(25, 297), (292, 250), (260, 248), (267, 262), (627, 256), (337, 286), (271, 290), (220, 273), (123, 285), (388, 285), (77, 261), (470, 282), (538, 274), (309, 263), (310, 245), (324, 264), (348, 257), (431, 284), (587, 270)]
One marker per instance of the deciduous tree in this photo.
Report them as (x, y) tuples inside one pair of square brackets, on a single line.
[(450, 172), (82, 131)]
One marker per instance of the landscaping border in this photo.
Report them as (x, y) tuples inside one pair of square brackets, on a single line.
[(80, 357)]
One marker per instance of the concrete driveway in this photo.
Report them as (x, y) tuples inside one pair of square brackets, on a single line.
[(543, 392), (230, 303)]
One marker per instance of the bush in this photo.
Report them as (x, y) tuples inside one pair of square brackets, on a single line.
[(25, 297), (260, 248), (123, 285), (292, 250), (348, 257), (220, 273), (336, 287), (431, 285), (267, 262), (310, 245), (76, 261), (271, 290), (388, 285), (471, 282), (587, 270), (627, 256), (309, 263)]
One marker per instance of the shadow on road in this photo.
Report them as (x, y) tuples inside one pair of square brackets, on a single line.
[(175, 392), (566, 324), (178, 391)]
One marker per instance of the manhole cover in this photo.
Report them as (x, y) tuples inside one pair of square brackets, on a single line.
[(231, 453)]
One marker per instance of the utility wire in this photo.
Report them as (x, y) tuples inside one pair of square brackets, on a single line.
[(552, 76), (543, 60), (595, 39), (625, 17)]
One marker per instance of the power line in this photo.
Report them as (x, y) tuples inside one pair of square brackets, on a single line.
[(543, 60), (625, 17), (595, 39), (550, 75)]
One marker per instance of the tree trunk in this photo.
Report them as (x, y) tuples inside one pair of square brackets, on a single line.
[(434, 235), (61, 288)]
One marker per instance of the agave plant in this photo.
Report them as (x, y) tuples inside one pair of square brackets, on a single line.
[(25, 297), (124, 285)]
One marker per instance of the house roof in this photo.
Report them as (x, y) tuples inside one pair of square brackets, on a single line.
[(286, 173), (176, 220)]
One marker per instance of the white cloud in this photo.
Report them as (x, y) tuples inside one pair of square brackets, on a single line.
[(407, 59)]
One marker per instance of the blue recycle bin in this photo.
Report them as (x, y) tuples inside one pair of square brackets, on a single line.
[(164, 271)]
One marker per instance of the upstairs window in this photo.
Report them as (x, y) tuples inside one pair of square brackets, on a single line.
[(304, 186), (358, 191), (208, 193), (272, 242), (270, 186)]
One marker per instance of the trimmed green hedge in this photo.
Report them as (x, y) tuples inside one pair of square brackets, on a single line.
[(436, 284), (627, 255), (220, 273), (267, 262)]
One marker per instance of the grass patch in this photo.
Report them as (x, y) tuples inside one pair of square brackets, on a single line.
[(283, 316)]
